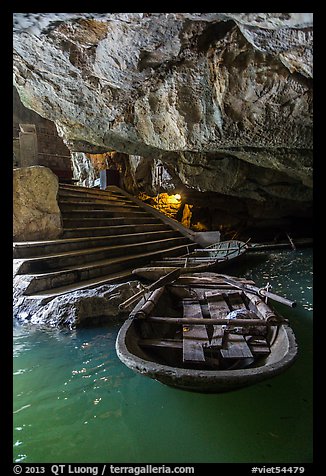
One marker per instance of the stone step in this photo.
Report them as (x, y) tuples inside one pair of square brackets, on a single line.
[(108, 205), (78, 222), (49, 294), (97, 231), (98, 269), (107, 213), (66, 259), (106, 234), (111, 191), (32, 249), (111, 212), (98, 200), (94, 192), (143, 206)]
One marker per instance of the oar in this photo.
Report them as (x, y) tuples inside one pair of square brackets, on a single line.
[(259, 291), (212, 321), (162, 281)]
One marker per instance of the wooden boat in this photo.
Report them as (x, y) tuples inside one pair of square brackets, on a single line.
[(223, 249), (214, 257), (203, 334), (152, 273)]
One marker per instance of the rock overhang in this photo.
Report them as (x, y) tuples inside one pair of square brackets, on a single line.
[(223, 100)]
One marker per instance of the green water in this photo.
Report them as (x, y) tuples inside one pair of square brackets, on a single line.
[(75, 402)]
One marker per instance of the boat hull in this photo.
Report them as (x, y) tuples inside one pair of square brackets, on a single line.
[(152, 273), (283, 355), (206, 333), (215, 257)]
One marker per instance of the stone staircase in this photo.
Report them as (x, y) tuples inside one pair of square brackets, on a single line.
[(106, 234)]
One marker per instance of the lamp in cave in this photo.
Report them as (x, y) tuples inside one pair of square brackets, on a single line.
[(173, 199)]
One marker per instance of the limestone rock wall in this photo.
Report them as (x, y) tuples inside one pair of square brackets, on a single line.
[(48, 148), (83, 169), (36, 215), (223, 100)]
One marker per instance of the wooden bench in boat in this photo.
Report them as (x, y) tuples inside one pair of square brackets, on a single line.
[(163, 343), (194, 336), (232, 346), (218, 308), (258, 346)]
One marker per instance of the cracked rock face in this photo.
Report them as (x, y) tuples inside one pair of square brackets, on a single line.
[(76, 309), (36, 215), (224, 100)]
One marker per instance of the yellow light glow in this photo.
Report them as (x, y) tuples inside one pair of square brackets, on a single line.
[(177, 196)]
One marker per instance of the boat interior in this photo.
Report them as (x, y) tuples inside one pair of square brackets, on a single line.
[(155, 337)]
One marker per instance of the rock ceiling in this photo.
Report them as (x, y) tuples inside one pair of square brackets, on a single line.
[(224, 100)]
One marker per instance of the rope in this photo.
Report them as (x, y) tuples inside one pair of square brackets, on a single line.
[(266, 288)]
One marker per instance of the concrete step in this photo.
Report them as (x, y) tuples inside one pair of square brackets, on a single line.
[(85, 196), (97, 269), (109, 205), (75, 202), (32, 249), (78, 222), (96, 231), (66, 259)]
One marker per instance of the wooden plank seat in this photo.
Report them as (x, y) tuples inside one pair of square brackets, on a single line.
[(258, 345), (194, 336), (223, 338), (232, 346), (236, 301), (218, 308), (237, 347), (163, 343)]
